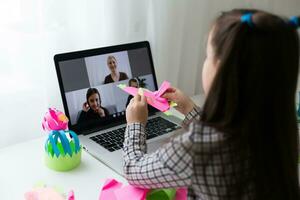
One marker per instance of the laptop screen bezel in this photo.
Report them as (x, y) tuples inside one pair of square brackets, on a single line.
[(94, 52)]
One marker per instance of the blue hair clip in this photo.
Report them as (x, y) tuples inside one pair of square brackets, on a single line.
[(247, 18), (294, 21)]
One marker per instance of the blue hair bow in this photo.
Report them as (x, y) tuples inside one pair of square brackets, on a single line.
[(247, 18), (294, 20)]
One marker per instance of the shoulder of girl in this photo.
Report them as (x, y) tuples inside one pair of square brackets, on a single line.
[(204, 134)]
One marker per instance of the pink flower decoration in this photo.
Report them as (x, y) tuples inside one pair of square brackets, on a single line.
[(55, 120)]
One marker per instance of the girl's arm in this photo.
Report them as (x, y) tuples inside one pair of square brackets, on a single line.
[(194, 115), (169, 166)]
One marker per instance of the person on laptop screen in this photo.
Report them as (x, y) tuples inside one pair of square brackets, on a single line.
[(114, 75), (92, 109), (132, 83)]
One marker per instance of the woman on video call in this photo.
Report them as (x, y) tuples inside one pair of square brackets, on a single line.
[(114, 75), (132, 83), (92, 109)]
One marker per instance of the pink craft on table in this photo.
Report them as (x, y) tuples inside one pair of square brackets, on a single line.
[(153, 98), (55, 120), (71, 195), (114, 190)]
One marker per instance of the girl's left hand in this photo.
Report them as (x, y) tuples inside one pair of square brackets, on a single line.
[(137, 110)]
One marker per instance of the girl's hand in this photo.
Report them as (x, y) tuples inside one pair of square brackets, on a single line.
[(101, 112), (184, 103), (137, 110), (85, 107)]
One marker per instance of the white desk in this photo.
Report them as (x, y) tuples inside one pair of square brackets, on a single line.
[(22, 167)]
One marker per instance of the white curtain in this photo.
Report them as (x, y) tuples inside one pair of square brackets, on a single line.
[(32, 31)]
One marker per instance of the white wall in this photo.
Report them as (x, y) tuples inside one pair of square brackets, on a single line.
[(32, 31), (97, 68), (179, 29)]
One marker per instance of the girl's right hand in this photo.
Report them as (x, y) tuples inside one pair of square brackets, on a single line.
[(85, 107), (184, 103), (101, 112)]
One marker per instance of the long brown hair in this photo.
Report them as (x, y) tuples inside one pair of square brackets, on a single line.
[(252, 100)]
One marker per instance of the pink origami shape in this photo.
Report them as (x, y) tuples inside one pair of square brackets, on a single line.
[(153, 98), (55, 120), (181, 194), (71, 195), (114, 190)]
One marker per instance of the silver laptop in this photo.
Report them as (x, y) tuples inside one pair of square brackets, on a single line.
[(82, 73)]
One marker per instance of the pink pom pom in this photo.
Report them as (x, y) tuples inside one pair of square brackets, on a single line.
[(55, 120)]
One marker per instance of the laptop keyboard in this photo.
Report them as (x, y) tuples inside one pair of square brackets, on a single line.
[(113, 140)]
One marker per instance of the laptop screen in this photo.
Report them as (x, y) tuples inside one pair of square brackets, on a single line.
[(89, 82)]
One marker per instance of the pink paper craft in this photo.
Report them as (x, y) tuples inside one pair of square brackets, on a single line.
[(153, 98), (181, 194), (114, 190), (71, 195), (129, 192), (55, 120)]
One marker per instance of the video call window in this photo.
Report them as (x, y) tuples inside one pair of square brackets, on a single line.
[(90, 83)]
